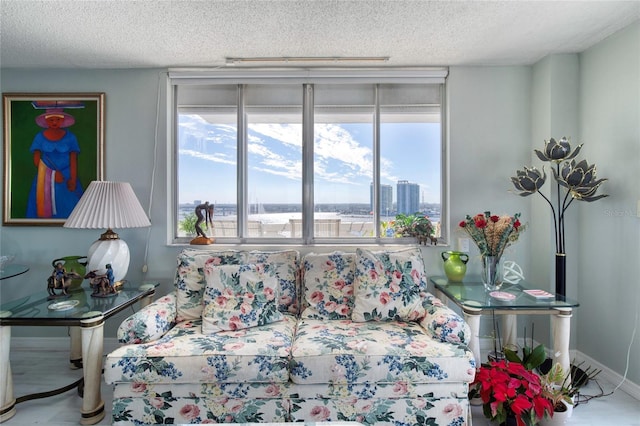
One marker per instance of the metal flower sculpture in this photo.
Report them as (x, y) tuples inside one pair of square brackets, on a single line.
[(579, 180)]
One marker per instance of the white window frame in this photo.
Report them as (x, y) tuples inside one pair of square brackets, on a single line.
[(302, 76)]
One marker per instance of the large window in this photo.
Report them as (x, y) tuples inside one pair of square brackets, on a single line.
[(308, 158)]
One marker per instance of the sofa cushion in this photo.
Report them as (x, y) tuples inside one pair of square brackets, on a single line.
[(375, 352), (185, 355), (190, 280), (328, 285), (388, 285), (239, 296), (285, 264)]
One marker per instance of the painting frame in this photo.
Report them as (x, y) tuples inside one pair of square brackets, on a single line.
[(53, 147)]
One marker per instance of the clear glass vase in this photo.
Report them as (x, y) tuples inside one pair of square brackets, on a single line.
[(492, 272)]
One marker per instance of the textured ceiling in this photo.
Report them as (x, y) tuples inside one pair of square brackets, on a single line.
[(188, 33)]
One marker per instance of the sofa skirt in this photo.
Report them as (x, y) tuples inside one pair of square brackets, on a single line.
[(375, 404)]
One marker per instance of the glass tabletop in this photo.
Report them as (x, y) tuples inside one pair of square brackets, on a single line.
[(11, 270), (471, 293), (37, 310)]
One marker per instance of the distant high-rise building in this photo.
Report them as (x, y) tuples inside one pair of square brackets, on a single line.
[(408, 197), (386, 199)]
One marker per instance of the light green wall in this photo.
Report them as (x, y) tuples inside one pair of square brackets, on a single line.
[(609, 229), (497, 115)]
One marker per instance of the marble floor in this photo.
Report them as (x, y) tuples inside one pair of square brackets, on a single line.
[(42, 370)]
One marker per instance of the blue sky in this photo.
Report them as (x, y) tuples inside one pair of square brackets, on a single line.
[(343, 161)]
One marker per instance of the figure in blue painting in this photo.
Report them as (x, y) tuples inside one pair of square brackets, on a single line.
[(56, 188)]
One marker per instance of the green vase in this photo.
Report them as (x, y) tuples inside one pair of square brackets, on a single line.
[(455, 265), (75, 264)]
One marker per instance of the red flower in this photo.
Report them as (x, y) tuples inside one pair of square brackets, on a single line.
[(494, 218), (509, 388), (516, 224), (480, 221), (462, 223)]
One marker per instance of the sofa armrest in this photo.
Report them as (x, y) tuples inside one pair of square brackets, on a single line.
[(443, 323), (150, 322)]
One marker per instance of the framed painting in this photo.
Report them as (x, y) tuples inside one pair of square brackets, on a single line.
[(53, 148)]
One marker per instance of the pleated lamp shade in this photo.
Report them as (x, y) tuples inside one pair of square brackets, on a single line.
[(108, 205)]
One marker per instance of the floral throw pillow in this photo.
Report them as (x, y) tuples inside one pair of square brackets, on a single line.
[(388, 286), (239, 296)]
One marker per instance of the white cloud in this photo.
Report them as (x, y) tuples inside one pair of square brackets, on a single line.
[(216, 158)]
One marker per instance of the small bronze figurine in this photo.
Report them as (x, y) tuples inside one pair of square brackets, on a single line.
[(102, 285), (60, 279), (204, 213)]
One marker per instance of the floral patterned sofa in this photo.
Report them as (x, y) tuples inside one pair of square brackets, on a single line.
[(269, 337)]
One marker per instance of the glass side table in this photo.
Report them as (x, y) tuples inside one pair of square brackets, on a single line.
[(12, 270), (474, 300), (85, 317)]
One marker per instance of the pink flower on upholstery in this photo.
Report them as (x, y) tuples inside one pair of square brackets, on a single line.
[(237, 408), (329, 265), (416, 275), (245, 308), (319, 413), (249, 298), (348, 290), (385, 298), (330, 306), (235, 323), (396, 277), (394, 287), (221, 301), (442, 319), (165, 299), (343, 310), (272, 390), (358, 345), (366, 408), (419, 403), (436, 302), (414, 315), (162, 346), (452, 411), (373, 274), (317, 297), (162, 313), (138, 387), (214, 260), (284, 300), (418, 345), (233, 346), (269, 294), (183, 270), (400, 388), (157, 402), (339, 284), (190, 411)]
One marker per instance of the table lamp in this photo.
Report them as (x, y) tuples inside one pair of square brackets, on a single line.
[(108, 205)]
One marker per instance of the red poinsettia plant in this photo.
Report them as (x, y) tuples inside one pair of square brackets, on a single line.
[(509, 389)]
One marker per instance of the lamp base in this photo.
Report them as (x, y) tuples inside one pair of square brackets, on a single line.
[(111, 251)]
